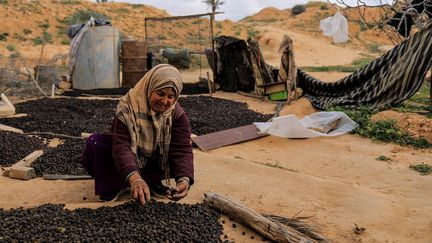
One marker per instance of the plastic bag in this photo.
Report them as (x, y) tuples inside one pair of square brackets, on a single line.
[(335, 26), (309, 126)]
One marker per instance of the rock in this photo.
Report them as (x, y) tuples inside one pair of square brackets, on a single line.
[(64, 85), (396, 149)]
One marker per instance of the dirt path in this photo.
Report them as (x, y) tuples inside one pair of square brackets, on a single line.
[(308, 49)]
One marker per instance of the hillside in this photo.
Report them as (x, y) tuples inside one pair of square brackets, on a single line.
[(25, 22)]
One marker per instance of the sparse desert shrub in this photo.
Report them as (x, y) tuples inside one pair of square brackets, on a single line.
[(315, 4), (82, 16), (19, 37), (10, 47), (65, 42), (423, 168), (123, 10), (252, 33), (47, 37), (38, 41), (4, 36), (324, 7), (298, 9), (44, 25), (383, 130), (5, 2), (61, 32), (71, 2), (383, 158), (374, 48), (27, 31)]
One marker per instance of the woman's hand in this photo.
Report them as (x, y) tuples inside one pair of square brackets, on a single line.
[(139, 189), (181, 189)]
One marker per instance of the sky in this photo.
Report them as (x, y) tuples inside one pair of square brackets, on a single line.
[(233, 9)]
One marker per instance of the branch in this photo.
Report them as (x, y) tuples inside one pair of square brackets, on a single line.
[(53, 134), (28, 70)]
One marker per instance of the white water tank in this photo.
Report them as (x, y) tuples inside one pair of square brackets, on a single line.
[(97, 59)]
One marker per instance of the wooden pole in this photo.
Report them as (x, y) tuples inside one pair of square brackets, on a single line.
[(209, 84), (66, 177), (213, 49), (262, 225)]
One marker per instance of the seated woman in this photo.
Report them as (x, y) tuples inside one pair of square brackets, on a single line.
[(149, 142)]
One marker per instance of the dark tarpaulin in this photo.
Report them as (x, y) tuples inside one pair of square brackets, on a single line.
[(239, 64)]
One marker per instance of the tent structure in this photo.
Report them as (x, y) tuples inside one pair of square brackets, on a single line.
[(385, 82)]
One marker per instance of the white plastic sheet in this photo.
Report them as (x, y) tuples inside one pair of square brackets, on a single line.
[(335, 26), (291, 127)]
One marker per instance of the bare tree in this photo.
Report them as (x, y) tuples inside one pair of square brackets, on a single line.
[(387, 16)]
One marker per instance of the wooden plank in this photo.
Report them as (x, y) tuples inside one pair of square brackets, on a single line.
[(227, 137), (22, 172), (29, 159), (274, 87), (10, 129)]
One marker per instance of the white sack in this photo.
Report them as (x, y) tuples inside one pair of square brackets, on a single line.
[(290, 127), (335, 26)]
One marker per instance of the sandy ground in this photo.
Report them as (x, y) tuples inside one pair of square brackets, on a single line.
[(337, 181)]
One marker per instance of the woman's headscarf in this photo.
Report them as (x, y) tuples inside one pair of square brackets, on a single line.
[(148, 129)]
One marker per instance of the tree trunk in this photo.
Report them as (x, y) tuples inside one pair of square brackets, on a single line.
[(262, 225)]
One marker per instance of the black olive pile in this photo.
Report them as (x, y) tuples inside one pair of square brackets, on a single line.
[(15, 146), (188, 89), (96, 92), (195, 88), (64, 159), (63, 116), (129, 222), (208, 114), (72, 116)]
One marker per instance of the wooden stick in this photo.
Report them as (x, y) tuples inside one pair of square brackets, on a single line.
[(53, 134), (209, 84), (66, 177), (262, 225), (430, 88), (34, 80)]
